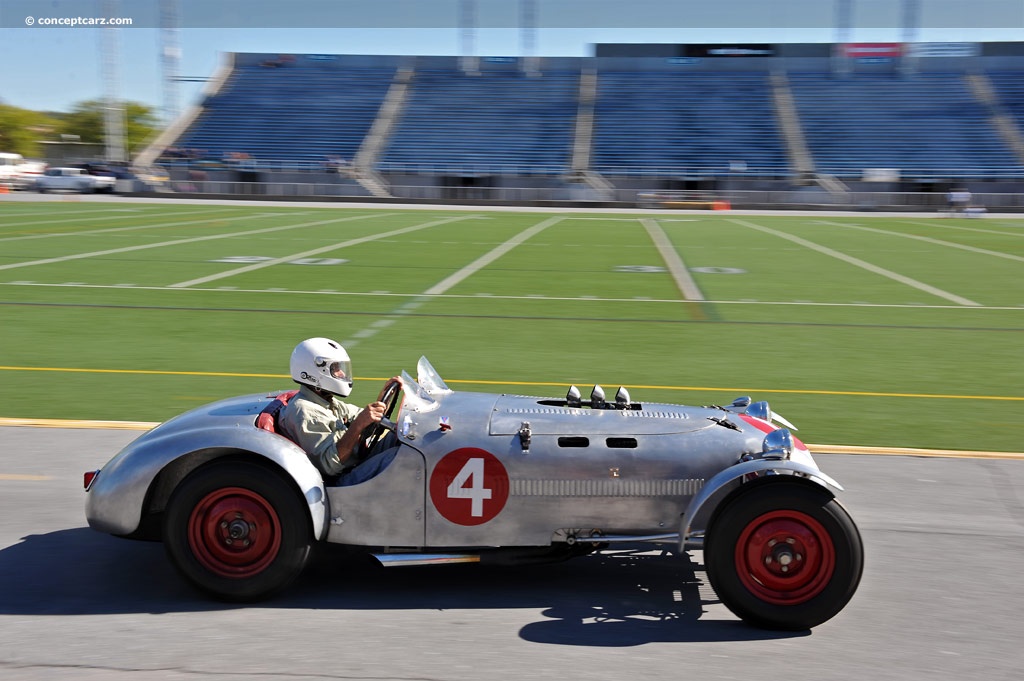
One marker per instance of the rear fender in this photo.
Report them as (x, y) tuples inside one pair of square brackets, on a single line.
[(694, 521), (142, 476)]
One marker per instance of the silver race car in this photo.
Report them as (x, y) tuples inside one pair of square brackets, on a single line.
[(494, 477)]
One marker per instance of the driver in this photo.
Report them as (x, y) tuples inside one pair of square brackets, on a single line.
[(328, 429)]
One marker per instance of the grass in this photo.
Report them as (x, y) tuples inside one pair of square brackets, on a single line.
[(862, 330)]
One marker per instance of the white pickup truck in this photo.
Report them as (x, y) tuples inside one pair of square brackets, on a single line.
[(17, 173), (73, 179)]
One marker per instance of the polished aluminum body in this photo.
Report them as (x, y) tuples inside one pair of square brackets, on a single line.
[(146, 471), (480, 470)]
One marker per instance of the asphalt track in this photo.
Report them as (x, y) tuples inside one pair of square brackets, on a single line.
[(940, 599)]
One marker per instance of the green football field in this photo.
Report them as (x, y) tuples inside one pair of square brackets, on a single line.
[(881, 331)]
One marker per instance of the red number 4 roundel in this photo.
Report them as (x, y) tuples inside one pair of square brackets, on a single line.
[(469, 486)]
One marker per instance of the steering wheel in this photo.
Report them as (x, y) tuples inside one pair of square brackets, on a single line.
[(378, 430)]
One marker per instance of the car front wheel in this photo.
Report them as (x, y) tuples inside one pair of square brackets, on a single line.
[(783, 555), (237, 531)]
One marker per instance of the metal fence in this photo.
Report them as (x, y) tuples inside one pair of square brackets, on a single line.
[(570, 194)]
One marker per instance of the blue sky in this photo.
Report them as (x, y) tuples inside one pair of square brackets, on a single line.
[(52, 68)]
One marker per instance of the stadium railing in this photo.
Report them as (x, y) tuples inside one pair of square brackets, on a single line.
[(767, 200)]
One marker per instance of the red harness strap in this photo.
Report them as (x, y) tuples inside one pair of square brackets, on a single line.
[(267, 419)]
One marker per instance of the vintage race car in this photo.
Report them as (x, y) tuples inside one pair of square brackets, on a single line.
[(494, 477)]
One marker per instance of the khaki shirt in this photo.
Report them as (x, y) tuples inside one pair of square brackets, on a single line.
[(316, 425)]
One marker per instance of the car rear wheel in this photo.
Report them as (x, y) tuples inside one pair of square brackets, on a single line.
[(237, 531), (783, 555)]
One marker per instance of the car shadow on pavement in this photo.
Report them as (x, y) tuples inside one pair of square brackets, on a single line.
[(622, 597)]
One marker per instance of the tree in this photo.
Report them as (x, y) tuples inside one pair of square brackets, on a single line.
[(88, 120), (21, 130)]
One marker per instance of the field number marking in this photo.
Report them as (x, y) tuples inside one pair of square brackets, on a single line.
[(718, 270), (640, 269), (245, 259), (317, 251), (176, 242)]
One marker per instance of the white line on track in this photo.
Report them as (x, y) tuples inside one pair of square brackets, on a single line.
[(857, 262), (177, 242), (927, 239), (323, 249), (673, 261), (106, 230)]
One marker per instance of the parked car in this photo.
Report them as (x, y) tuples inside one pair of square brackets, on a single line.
[(73, 179), (129, 178), (480, 477), (18, 173)]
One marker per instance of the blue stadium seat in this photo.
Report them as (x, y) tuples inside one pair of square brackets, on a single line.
[(695, 122), (928, 125), (494, 122), (298, 111)]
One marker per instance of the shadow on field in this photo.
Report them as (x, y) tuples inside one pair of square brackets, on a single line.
[(616, 598)]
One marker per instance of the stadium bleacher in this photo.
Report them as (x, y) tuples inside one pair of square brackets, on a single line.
[(700, 122), (495, 122), (303, 109), (650, 117), (928, 124)]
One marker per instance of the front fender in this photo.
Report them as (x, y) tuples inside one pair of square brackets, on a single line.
[(722, 482), (116, 500)]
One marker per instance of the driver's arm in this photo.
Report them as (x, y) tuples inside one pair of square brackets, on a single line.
[(373, 413), (367, 417)]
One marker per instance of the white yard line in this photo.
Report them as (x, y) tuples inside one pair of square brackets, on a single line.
[(673, 261), (177, 242), (946, 225), (438, 290), (62, 221), (927, 239), (317, 251), (106, 230), (489, 257), (857, 262)]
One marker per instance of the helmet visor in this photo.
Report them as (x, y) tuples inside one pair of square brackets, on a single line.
[(341, 370)]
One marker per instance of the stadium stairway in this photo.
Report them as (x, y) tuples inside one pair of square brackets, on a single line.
[(363, 166), (1001, 119), (176, 128)]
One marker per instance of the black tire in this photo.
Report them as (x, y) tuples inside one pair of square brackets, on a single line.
[(783, 555), (237, 531)]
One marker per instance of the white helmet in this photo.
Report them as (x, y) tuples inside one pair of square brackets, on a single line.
[(324, 364)]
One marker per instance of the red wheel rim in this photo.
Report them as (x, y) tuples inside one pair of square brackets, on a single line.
[(234, 532), (785, 557)]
